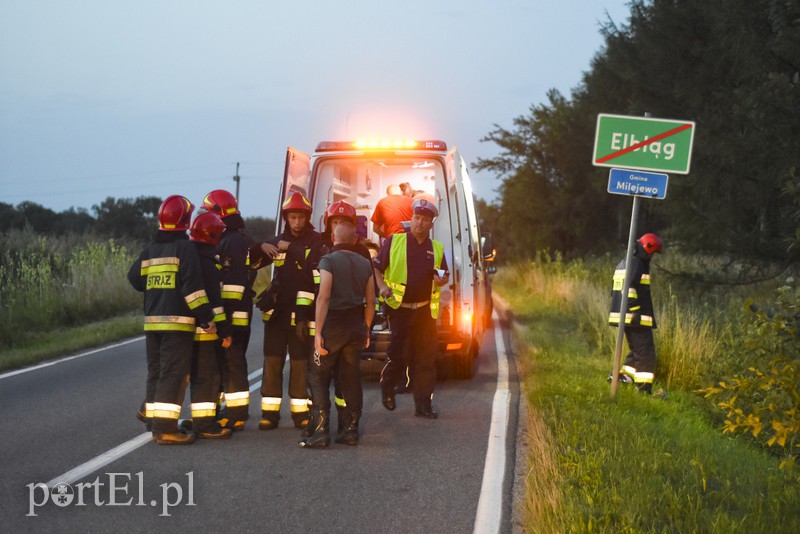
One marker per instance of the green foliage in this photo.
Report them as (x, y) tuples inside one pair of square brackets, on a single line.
[(733, 67), (764, 399), (634, 463), (51, 283)]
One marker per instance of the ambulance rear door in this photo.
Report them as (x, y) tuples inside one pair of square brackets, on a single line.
[(472, 295), (296, 177)]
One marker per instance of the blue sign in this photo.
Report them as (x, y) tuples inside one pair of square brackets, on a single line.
[(637, 183)]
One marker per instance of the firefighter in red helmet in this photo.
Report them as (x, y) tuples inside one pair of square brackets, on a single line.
[(207, 357), (337, 212), (640, 364), (238, 274), (288, 308), (168, 272)]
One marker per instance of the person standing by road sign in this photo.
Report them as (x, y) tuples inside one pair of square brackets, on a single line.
[(640, 364)]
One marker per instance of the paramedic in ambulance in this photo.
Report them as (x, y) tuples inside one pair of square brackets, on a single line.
[(391, 211)]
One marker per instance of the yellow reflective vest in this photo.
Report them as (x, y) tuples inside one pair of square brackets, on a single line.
[(396, 275)]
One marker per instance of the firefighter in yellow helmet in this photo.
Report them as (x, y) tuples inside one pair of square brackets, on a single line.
[(288, 313), (640, 364)]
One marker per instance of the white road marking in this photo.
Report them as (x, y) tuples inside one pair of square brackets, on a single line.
[(68, 358), (73, 475), (490, 504)]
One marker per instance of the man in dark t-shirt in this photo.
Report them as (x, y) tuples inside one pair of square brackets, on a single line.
[(345, 309)]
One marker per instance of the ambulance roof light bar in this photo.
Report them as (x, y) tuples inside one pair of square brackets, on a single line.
[(381, 144)]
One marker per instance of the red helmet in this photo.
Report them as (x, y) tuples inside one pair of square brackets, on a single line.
[(175, 214), (651, 243), (296, 202), (207, 227), (343, 210), (221, 202)]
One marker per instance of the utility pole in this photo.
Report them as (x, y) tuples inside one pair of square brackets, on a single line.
[(236, 179)]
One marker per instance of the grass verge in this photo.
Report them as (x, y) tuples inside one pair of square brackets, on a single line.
[(633, 463), (61, 342)]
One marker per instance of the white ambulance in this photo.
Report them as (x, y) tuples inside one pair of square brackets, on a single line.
[(359, 172)]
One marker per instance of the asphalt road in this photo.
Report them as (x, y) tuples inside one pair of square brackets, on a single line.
[(406, 475)]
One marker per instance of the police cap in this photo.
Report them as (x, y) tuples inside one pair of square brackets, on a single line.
[(425, 207)]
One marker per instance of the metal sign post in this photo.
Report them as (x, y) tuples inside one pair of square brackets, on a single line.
[(624, 304)]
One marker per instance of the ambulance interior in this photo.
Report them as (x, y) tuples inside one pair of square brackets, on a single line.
[(362, 182)]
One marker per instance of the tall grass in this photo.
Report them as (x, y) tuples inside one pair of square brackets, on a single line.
[(633, 463), (50, 283)]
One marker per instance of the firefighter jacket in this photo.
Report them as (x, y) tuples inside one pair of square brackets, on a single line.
[(237, 274), (168, 273), (640, 303), (396, 273), (291, 292), (212, 278)]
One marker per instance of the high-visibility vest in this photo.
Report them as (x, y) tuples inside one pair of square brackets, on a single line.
[(396, 276)]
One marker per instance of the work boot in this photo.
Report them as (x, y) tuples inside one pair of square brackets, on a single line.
[(174, 438), (320, 439), (233, 424), (425, 410), (309, 428), (387, 397), (350, 434), (342, 418), (301, 419), (269, 420), (216, 433)]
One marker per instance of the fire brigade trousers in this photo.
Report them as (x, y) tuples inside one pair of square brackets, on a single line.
[(169, 357), (344, 334), (641, 359), (279, 338), (416, 328), (234, 377), (205, 384)]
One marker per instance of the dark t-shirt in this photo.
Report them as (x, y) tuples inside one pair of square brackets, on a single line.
[(350, 272), (391, 211), (420, 267)]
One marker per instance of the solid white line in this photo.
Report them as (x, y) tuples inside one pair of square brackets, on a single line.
[(490, 504), (73, 475), (68, 358)]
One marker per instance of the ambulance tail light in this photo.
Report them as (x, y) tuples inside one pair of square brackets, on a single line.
[(381, 145)]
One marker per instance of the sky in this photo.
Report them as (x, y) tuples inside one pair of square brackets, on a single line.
[(151, 98)]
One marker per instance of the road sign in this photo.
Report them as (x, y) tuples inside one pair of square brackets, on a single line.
[(637, 183), (643, 143)]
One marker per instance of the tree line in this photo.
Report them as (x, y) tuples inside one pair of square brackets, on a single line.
[(733, 67), (116, 218)]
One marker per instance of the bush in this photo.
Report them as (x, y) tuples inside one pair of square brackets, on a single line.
[(764, 399)]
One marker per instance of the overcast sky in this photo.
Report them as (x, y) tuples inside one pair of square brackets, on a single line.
[(128, 98)]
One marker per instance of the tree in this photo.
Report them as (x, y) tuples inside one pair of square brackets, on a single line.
[(127, 217)]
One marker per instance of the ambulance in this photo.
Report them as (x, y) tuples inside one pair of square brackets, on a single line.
[(359, 173)]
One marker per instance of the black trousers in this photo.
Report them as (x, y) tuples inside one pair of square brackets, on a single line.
[(207, 359), (234, 372), (642, 355), (417, 329), (169, 357), (277, 340), (345, 334)]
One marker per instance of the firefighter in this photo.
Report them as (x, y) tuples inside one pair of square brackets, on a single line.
[(409, 270), (237, 297), (168, 273), (344, 312), (336, 213), (288, 307), (640, 364), (207, 358)]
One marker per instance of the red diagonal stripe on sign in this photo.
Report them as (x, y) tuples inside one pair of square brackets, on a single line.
[(637, 146)]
